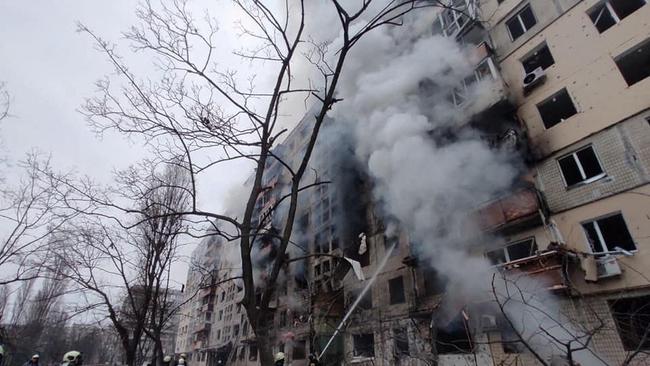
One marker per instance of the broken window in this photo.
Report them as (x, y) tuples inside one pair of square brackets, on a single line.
[(252, 352), (581, 166), (608, 233), (634, 64), (396, 290), (540, 57), (632, 317), (521, 22), (364, 345), (452, 20), (512, 252), (300, 350), (454, 337), (400, 342), (434, 282), (556, 108), (610, 12), (365, 303)]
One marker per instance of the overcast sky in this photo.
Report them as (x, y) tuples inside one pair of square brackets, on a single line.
[(49, 69)]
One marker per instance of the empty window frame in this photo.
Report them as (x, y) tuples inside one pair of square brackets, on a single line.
[(364, 345), (452, 20), (540, 57), (580, 167), (511, 252), (610, 12), (300, 350), (400, 342), (434, 282), (521, 22), (608, 233), (396, 290), (634, 64), (632, 317), (556, 108), (454, 337)]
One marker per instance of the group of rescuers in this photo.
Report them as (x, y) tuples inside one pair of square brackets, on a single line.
[(74, 358)]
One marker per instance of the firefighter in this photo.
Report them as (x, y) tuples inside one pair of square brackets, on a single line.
[(167, 361), (279, 359), (33, 361), (72, 358)]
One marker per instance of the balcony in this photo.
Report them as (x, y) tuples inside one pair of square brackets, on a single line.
[(546, 267), (519, 210)]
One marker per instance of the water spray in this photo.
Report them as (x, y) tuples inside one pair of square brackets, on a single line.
[(356, 302)]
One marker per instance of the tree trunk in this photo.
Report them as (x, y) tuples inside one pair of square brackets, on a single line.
[(265, 346)]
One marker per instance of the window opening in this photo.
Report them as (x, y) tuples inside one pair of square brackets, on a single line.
[(514, 251), (401, 342), (540, 57), (396, 290), (607, 233), (521, 22), (634, 64), (454, 337), (556, 109), (632, 317), (581, 166), (364, 345), (610, 12)]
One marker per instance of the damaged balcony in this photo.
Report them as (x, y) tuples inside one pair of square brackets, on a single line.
[(483, 93), (518, 210), (547, 267)]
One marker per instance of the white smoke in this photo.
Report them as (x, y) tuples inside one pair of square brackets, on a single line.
[(426, 182)]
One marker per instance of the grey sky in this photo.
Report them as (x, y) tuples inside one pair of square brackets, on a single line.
[(49, 69)]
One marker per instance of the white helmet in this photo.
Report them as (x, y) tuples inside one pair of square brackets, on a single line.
[(181, 361), (167, 359), (279, 356)]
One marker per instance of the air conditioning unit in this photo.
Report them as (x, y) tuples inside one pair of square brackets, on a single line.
[(488, 322), (607, 267), (533, 79)]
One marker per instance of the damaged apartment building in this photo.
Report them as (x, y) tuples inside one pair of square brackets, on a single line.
[(571, 96)]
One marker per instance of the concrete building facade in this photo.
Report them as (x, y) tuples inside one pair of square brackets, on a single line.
[(572, 83)]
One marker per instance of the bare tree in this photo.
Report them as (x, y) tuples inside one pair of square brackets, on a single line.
[(4, 101), (36, 314), (122, 269), (209, 116), (30, 215)]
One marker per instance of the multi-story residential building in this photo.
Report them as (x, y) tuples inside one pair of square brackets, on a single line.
[(570, 94)]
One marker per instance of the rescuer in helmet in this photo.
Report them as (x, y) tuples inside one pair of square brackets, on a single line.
[(72, 358), (279, 359)]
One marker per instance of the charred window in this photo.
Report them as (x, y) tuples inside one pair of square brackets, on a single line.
[(400, 342), (610, 12), (608, 233), (581, 166), (454, 337), (635, 63), (512, 252), (364, 345), (557, 108), (434, 282), (365, 303), (396, 290), (540, 57), (632, 317), (300, 350), (521, 22)]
